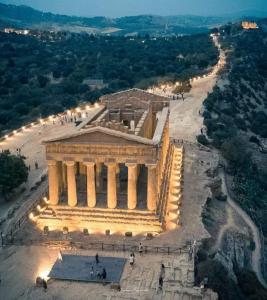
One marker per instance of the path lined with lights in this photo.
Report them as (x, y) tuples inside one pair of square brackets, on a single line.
[(29, 139), (186, 121)]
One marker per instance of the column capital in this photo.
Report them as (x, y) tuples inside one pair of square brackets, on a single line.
[(131, 165), (89, 163), (69, 163), (51, 162), (151, 166), (110, 164)]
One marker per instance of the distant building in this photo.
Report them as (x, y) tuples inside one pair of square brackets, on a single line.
[(17, 31), (249, 25), (95, 84)]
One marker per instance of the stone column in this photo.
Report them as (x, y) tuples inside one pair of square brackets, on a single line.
[(112, 187), (99, 179), (91, 191), (132, 186), (72, 193), (53, 182), (151, 187)]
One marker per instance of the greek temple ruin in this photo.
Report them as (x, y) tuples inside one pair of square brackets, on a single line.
[(114, 172)]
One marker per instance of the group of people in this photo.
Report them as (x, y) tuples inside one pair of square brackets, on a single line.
[(100, 275)]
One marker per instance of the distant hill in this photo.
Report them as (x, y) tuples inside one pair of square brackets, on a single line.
[(25, 16)]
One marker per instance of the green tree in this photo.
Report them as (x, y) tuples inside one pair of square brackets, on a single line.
[(182, 88), (13, 172)]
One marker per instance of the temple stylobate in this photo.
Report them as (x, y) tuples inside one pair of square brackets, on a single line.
[(112, 173)]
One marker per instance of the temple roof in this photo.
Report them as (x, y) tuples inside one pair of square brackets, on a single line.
[(101, 135), (135, 92)]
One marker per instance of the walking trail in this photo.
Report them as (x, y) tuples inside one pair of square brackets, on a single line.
[(257, 253)]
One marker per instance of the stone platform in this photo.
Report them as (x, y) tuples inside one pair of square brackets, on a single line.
[(79, 267), (99, 219)]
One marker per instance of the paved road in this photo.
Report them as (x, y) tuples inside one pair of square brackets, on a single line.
[(257, 253)]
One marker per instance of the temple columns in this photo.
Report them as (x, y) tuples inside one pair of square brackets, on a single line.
[(132, 186), (53, 182), (99, 179), (151, 187), (91, 188), (72, 193), (112, 186)]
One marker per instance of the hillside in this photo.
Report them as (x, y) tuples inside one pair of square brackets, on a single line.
[(47, 73), (24, 16), (236, 119)]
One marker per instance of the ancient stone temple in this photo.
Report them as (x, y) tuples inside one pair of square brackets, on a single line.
[(112, 173)]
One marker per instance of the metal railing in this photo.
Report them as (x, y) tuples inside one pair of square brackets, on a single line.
[(101, 246)]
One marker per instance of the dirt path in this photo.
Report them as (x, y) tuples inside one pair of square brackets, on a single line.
[(230, 223), (256, 254)]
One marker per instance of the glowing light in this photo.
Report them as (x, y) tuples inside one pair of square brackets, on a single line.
[(46, 200), (44, 274), (78, 109), (31, 216), (32, 124), (23, 128), (83, 115), (96, 105), (69, 112), (6, 136), (51, 118), (14, 131)]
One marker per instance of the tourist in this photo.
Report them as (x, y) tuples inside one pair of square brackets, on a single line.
[(36, 165), (140, 249), (131, 259), (44, 285), (96, 258), (92, 271), (104, 274), (162, 271), (160, 282)]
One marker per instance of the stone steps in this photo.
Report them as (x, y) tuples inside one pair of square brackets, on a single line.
[(78, 218)]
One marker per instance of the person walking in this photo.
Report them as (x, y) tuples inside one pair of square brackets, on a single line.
[(92, 272), (45, 285), (140, 248), (162, 271), (96, 258), (160, 283), (131, 259)]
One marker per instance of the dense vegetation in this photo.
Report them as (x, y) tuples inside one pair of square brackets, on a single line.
[(247, 286), (43, 75), (236, 118), (13, 172)]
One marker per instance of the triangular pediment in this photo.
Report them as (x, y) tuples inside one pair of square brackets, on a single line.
[(100, 135)]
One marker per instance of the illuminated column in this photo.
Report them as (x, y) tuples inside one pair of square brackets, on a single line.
[(53, 182), (99, 179), (72, 193), (132, 187), (91, 191), (112, 187), (151, 186)]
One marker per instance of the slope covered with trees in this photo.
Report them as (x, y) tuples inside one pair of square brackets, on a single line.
[(44, 74), (236, 118)]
